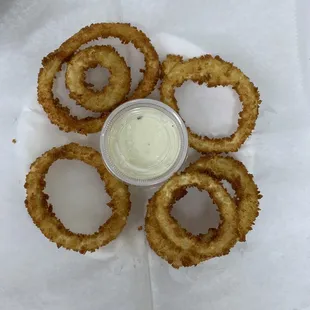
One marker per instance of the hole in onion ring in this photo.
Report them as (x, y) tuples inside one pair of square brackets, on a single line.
[(229, 188), (211, 112), (199, 216), (75, 191), (97, 78)]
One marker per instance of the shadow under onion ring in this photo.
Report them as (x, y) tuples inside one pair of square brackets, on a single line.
[(45, 219), (213, 71)]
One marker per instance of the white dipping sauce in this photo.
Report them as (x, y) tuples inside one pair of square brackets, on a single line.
[(143, 143)]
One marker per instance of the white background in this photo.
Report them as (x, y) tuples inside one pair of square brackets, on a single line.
[(269, 41)]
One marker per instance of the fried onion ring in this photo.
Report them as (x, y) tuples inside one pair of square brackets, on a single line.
[(42, 212), (175, 244), (247, 193), (214, 72), (52, 63), (119, 82)]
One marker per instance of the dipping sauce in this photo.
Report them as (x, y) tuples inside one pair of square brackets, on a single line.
[(143, 142)]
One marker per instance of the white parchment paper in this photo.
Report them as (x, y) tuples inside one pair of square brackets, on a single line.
[(270, 271)]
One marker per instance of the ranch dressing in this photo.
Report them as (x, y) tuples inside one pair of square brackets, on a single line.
[(144, 143)]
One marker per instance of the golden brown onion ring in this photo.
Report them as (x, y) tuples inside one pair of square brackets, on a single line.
[(214, 72), (111, 95), (175, 244), (52, 63), (247, 193), (42, 212)]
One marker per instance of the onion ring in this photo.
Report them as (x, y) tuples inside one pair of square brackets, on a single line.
[(214, 72), (52, 63), (175, 244), (41, 211), (119, 82), (247, 193)]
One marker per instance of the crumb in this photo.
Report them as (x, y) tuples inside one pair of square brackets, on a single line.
[(142, 70), (139, 117), (14, 141), (140, 228)]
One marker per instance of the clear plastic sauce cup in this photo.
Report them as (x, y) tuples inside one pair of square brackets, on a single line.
[(144, 142)]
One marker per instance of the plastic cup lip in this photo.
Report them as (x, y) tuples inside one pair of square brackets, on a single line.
[(144, 103)]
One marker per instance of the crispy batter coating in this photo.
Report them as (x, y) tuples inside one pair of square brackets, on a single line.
[(111, 95), (175, 244), (247, 193), (214, 72), (42, 212), (52, 63)]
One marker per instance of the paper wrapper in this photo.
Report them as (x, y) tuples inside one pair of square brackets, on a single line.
[(269, 271)]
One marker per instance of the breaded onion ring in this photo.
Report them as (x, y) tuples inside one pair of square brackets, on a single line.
[(214, 72), (119, 82), (59, 115), (175, 244), (42, 212), (247, 193)]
